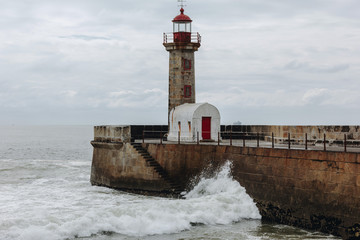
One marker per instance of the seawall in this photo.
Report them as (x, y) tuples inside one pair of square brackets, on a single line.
[(333, 132), (309, 189), (119, 164)]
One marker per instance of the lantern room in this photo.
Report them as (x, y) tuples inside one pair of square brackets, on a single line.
[(182, 27)]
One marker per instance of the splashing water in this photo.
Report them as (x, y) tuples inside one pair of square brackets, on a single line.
[(65, 206), (222, 190)]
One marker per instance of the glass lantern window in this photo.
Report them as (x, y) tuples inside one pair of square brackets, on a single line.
[(182, 27)]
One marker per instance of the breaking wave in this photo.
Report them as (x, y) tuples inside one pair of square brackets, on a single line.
[(68, 207)]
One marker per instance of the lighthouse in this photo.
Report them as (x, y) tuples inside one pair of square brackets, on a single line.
[(181, 45), (188, 121)]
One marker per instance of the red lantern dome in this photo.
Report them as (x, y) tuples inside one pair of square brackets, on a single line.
[(182, 31), (182, 17)]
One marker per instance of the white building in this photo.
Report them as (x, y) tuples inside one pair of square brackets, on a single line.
[(190, 119)]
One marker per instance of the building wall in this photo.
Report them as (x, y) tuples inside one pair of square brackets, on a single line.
[(187, 119), (208, 111), (310, 189)]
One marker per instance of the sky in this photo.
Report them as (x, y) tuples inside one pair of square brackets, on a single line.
[(95, 62)]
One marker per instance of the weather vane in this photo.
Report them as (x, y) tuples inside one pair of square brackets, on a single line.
[(182, 3)]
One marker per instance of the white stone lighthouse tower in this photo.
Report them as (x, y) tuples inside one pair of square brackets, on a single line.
[(181, 45)]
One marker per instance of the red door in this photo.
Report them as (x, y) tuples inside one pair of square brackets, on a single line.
[(206, 128)]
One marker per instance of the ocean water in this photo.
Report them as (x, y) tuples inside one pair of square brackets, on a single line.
[(45, 193)]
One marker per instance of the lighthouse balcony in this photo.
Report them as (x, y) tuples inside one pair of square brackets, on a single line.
[(182, 37)]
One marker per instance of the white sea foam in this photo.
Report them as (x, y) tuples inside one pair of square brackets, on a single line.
[(50, 207), (228, 193)]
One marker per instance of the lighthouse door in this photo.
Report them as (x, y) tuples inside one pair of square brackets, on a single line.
[(206, 128)]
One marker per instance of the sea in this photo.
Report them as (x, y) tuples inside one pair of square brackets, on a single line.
[(45, 193)]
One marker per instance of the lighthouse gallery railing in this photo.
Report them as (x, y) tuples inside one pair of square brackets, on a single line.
[(169, 38)]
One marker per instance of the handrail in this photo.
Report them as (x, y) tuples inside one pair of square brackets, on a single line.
[(254, 138), (169, 37)]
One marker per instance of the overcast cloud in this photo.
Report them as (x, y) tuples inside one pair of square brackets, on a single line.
[(102, 62)]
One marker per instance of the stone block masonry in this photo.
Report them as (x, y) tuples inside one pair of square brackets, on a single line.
[(120, 166), (181, 73), (310, 189), (333, 133), (112, 133)]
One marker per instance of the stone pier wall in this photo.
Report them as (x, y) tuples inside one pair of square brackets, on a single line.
[(333, 133), (120, 166), (298, 132), (117, 164), (310, 189), (112, 133)]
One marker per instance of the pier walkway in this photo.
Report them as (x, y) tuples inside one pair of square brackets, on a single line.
[(263, 144)]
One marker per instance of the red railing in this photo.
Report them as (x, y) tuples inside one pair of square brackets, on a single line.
[(169, 38)]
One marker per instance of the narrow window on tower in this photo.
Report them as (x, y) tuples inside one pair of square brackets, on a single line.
[(187, 64), (187, 91)]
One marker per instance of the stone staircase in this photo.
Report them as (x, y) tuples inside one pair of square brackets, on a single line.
[(175, 189)]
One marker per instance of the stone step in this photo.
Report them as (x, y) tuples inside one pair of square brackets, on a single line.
[(154, 164), (175, 188), (162, 171)]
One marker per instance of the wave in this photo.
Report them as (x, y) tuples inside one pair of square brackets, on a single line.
[(70, 213)]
